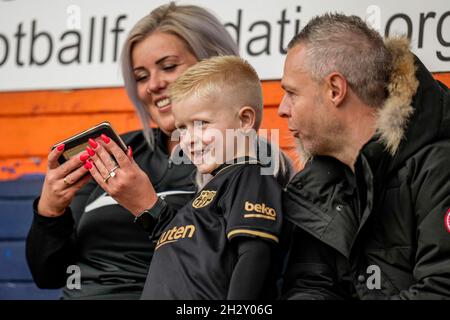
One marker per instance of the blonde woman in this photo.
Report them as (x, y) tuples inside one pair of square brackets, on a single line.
[(88, 223)]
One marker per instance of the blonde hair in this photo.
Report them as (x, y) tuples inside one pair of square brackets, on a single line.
[(223, 75), (204, 35), (238, 80)]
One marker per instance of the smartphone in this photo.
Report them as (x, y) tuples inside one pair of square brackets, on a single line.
[(78, 143)]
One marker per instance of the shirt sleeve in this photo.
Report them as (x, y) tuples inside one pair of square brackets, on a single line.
[(51, 242), (50, 248), (251, 269), (252, 205)]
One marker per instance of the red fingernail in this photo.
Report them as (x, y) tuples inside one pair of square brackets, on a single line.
[(88, 165), (105, 138), (130, 152), (60, 147), (90, 151), (93, 143), (84, 157)]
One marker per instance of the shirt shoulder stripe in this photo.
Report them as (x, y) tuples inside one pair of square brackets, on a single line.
[(253, 233)]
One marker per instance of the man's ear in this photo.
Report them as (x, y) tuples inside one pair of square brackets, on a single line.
[(337, 87), (247, 117)]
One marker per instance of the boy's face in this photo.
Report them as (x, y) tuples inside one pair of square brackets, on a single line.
[(203, 124)]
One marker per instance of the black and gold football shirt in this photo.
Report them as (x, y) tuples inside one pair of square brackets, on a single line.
[(194, 257)]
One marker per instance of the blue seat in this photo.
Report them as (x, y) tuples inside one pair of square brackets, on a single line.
[(28, 186), (16, 197), (15, 218), (26, 291), (13, 265)]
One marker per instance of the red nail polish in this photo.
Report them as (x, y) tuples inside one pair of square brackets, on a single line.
[(88, 165), (60, 147), (93, 143), (130, 152), (105, 138), (90, 151), (84, 157)]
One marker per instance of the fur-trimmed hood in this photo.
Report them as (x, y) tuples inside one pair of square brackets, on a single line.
[(417, 110), (394, 115)]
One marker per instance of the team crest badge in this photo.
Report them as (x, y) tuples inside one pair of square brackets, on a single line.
[(447, 220), (205, 198)]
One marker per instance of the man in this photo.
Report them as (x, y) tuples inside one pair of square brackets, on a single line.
[(372, 209)]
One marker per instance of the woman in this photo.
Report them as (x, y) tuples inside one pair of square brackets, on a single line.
[(78, 221)]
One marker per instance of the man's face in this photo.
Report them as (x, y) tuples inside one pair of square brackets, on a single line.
[(310, 116)]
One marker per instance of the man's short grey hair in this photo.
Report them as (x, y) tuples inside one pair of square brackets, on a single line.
[(346, 44), (204, 35)]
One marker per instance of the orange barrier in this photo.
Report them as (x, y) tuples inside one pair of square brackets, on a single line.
[(31, 122), (443, 77)]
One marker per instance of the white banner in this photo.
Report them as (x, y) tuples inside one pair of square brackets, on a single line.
[(65, 44)]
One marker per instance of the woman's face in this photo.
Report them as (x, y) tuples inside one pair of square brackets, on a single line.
[(158, 60)]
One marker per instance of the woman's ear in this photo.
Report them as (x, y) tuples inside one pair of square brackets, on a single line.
[(247, 117)]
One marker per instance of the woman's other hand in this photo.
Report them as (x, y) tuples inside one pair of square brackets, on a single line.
[(62, 182)]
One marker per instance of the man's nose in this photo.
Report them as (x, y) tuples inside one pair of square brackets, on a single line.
[(284, 110)]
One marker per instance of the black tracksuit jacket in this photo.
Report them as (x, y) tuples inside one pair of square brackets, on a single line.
[(99, 236), (384, 231)]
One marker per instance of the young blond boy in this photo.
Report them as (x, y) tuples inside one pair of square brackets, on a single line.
[(221, 244)]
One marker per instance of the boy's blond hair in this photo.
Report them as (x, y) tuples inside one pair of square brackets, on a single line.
[(229, 76)]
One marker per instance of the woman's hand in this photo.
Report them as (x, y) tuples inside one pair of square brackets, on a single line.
[(124, 181), (62, 182)]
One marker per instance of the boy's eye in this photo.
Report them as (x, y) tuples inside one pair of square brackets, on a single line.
[(200, 123)]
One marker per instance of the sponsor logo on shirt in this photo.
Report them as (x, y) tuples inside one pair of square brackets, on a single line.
[(175, 234), (259, 211), (205, 198), (447, 220)]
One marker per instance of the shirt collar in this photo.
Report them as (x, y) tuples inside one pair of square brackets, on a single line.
[(240, 160)]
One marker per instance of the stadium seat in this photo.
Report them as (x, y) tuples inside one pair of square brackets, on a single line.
[(16, 197)]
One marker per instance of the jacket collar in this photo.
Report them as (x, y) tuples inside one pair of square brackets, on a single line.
[(415, 114), (393, 117), (320, 200)]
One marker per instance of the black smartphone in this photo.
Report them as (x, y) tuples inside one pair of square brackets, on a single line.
[(77, 143)]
